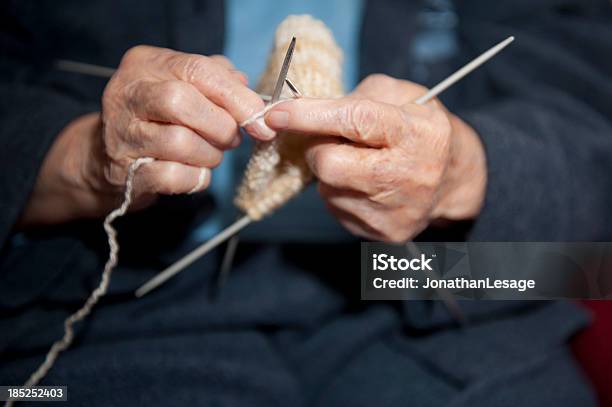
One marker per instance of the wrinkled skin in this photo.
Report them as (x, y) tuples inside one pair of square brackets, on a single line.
[(183, 110), (388, 168)]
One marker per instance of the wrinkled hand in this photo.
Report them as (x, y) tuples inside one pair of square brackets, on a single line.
[(388, 168), (181, 109)]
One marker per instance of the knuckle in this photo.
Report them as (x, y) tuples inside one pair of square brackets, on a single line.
[(379, 79), (113, 97), (416, 88), (363, 118), (137, 135), (115, 172), (179, 139), (325, 165), (430, 177), (443, 123), (135, 54), (172, 95), (194, 66), (220, 87), (382, 172), (222, 60), (226, 135), (215, 158), (409, 126)]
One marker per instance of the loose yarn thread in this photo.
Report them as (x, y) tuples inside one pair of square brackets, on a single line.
[(261, 173), (113, 257), (65, 342), (261, 113)]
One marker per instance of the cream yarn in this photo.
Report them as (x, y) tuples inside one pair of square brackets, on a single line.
[(277, 170)]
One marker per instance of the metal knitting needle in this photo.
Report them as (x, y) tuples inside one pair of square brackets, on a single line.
[(233, 229), (232, 244), (444, 293), (100, 71), (226, 263), (245, 220), (463, 71), (230, 251)]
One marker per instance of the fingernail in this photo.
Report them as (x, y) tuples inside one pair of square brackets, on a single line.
[(203, 181), (261, 130), (278, 119)]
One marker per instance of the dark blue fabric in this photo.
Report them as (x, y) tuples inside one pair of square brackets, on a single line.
[(289, 328)]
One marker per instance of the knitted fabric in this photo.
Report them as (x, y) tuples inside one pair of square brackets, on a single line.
[(277, 170)]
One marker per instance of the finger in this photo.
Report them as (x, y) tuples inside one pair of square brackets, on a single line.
[(227, 64), (354, 225), (170, 142), (347, 218), (351, 201), (343, 165), (223, 61), (217, 84), (171, 178), (386, 89), (359, 120), (180, 103), (241, 76)]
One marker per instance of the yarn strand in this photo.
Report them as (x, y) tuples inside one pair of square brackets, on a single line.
[(65, 342)]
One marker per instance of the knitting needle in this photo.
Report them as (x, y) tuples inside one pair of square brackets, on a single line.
[(193, 256), (282, 76), (232, 244), (175, 268), (444, 293), (293, 88), (463, 71), (100, 71), (226, 264), (245, 220)]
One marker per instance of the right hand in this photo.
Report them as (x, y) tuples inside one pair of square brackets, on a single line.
[(181, 109)]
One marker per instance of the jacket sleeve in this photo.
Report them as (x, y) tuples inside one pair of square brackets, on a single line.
[(30, 119), (548, 131), (34, 108)]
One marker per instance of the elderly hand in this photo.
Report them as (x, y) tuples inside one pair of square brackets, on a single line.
[(181, 109), (388, 168)]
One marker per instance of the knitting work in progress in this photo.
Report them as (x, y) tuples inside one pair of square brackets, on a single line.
[(276, 172)]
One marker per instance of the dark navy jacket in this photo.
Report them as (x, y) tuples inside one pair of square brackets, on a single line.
[(289, 329)]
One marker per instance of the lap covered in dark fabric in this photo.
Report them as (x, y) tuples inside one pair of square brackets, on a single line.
[(287, 329)]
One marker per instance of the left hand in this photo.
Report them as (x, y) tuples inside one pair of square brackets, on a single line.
[(387, 167)]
